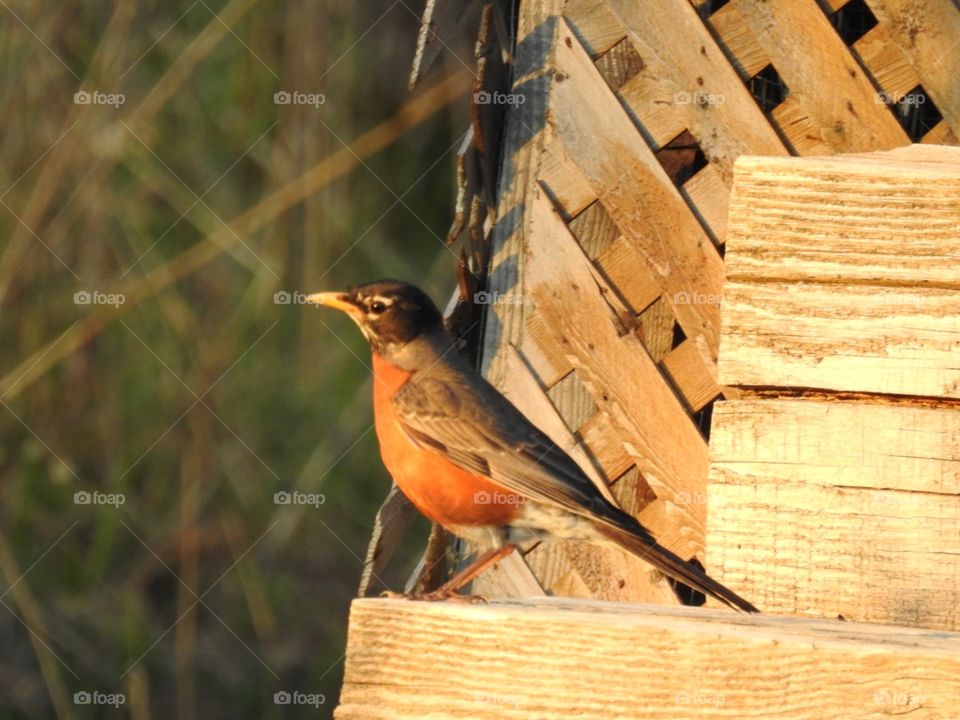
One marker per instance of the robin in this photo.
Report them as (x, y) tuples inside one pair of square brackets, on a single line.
[(468, 459)]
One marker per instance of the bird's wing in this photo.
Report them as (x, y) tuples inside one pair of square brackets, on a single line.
[(467, 421)]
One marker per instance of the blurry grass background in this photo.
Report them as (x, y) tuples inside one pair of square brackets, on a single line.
[(199, 397)]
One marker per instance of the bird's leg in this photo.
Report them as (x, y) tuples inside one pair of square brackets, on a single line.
[(448, 591)]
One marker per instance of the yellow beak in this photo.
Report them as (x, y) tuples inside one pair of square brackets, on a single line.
[(335, 300)]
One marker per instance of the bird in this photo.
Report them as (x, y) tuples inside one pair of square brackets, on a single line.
[(468, 459)]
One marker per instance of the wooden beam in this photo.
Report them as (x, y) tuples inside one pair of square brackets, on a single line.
[(822, 75), (826, 507), (560, 659), (844, 273)]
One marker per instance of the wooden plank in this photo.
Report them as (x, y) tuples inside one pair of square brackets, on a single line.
[(687, 372), (738, 39), (552, 658), (617, 371), (600, 437), (684, 67), (842, 337), (523, 153), (709, 195), (633, 187), (804, 137), (564, 180), (941, 134), (886, 218), (596, 26), (829, 508), (887, 62), (928, 33), (822, 74), (622, 265)]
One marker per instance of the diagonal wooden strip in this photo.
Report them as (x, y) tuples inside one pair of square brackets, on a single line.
[(822, 74), (623, 380), (928, 33), (887, 62), (738, 39), (633, 187), (684, 67)]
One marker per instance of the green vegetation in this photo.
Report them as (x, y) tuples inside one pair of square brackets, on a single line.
[(180, 384)]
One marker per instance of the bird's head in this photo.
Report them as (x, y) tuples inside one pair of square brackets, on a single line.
[(390, 313)]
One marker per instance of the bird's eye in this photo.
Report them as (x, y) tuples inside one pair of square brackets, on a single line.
[(377, 307)]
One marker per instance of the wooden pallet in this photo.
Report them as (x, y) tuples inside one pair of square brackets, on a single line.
[(608, 263)]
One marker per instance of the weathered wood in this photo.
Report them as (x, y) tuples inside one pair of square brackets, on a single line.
[(844, 273), (633, 187), (684, 67), (619, 374), (822, 75), (563, 659), (826, 508), (928, 33), (881, 339), (889, 218)]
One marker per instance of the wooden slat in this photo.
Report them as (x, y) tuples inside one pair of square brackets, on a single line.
[(830, 508), (887, 62), (884, 218), (623, 265), (879, 339), (822, 74), (617, 371), (597, 27), (684, 67), (929, 35), (798, 128), (709, 195), (564, 179), (687, 372), (634, 188), (562, 659), (738, 39)]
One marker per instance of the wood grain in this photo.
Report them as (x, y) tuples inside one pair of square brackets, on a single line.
[(620, 375), (887, 218), (928, 33), (822, 75), (826, 508), (563, 659)]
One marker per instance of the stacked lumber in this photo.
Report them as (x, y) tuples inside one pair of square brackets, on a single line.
[(835, 483)]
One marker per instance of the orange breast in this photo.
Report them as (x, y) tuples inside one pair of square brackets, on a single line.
[(438, 488)]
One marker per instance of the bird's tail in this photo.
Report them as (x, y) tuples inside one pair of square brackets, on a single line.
[(639, 542)]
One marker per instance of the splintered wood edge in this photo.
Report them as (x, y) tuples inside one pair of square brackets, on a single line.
[(546, 658)]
